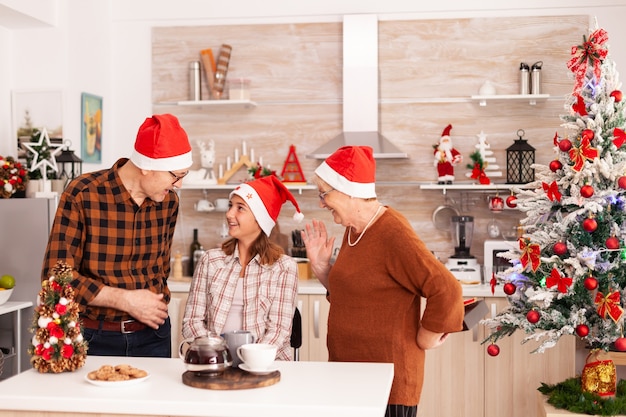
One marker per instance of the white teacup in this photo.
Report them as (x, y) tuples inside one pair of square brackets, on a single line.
[(257, 356), (221, 204)]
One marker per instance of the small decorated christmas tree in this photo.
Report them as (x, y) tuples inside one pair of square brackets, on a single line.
[(57, 344)]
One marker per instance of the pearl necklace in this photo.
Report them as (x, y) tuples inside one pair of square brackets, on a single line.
[(364, 229)]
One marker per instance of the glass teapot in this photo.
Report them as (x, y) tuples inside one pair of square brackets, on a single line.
[(206, 355)]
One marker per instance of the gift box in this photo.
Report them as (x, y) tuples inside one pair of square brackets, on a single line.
[(475, 311)]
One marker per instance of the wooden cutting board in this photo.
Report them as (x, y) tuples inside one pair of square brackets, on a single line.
[(231, 379)]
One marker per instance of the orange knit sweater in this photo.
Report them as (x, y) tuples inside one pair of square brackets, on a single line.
[(375, 302)]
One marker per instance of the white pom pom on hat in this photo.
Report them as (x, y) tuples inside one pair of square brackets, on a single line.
[(265, 197)]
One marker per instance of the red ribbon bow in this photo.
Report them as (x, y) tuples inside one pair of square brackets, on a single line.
[(609, 304), (561, 283), (581, 154), (479, 174), (579, 106), (552, 190), (619, 137), (530, 254), (591, 52), (556, 139)]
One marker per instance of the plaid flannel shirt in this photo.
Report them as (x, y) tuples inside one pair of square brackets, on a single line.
[(110, 241)]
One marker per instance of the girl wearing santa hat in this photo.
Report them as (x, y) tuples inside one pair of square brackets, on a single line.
[(376, 285), (248, 283)]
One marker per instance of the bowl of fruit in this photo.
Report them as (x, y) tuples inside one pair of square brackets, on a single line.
[(7, 282)]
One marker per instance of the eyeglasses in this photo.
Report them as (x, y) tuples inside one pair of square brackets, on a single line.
[(178, 178), (323, 195)]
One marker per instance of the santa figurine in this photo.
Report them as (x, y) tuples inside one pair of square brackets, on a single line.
[(446, 157)]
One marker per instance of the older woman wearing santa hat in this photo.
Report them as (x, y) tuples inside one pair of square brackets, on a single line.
[(248, 283), (376, 285)]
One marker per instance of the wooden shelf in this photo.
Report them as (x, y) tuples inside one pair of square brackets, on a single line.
[(236, 104), (470, 187), (531, 98), (230, 187)]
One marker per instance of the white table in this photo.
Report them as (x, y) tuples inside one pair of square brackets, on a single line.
[(305, 389), (16, 307)]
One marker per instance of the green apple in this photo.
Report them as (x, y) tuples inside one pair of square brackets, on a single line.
[(7, 282)]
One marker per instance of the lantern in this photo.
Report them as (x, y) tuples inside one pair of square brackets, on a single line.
[(519, 160), (70, 166)]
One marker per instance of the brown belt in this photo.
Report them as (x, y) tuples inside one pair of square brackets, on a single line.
[(126, 326)]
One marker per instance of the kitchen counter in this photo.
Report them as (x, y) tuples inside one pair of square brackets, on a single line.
[(313, 286), (305, 389)]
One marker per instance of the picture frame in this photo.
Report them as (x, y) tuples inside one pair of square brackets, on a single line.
[(91, 128), (35, 110)]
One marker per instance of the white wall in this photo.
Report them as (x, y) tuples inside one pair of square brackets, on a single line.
[(104, 47)]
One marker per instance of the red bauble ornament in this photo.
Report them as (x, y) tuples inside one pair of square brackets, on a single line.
[(612, 243), (555, 165), (582, 330), (509, 288), (590, 225), (620, 344), (622, 182), (587, 134), (559, 248), (590, 283), (533, 316), (586, 191), (496, 204), (565, 145), (511, 201), (617, 95), (493, 350)]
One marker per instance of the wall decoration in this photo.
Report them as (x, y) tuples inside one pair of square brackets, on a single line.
[(34, 110), (91, 130)]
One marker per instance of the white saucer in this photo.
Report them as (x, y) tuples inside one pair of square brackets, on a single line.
[(266, 371)]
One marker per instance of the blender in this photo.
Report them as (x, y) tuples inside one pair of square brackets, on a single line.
[(463, 265)]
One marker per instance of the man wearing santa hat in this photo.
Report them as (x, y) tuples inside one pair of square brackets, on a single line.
[(115, 228), (446, 157), (251, 284)]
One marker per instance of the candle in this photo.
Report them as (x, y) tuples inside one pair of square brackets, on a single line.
[(236, 154), (261, 160), (251, 155), (243, 148), (220, 171), (228, 163)]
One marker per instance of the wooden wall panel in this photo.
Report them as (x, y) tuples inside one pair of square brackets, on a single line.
[(428, 71)]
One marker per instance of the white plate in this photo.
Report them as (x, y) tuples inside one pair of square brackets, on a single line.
[(116, 384), (260, 371)]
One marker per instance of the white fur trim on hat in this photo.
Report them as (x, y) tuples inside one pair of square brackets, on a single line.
[(172, 163), (342, 184), (254, 201)]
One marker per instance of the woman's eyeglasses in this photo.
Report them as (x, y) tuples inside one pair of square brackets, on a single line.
[(323, 195)]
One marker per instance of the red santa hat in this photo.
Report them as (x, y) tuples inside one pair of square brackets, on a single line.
[(350, 170), (162, 145), (446, 132), (265, 197)]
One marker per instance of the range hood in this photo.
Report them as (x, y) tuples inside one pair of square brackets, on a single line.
[(360, 91)]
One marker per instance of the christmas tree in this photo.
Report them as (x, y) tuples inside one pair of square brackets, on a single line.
[(568, 272), (57, 344)]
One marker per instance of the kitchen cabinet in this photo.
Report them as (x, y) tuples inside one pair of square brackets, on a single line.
[(461, 379), (314, 310)]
